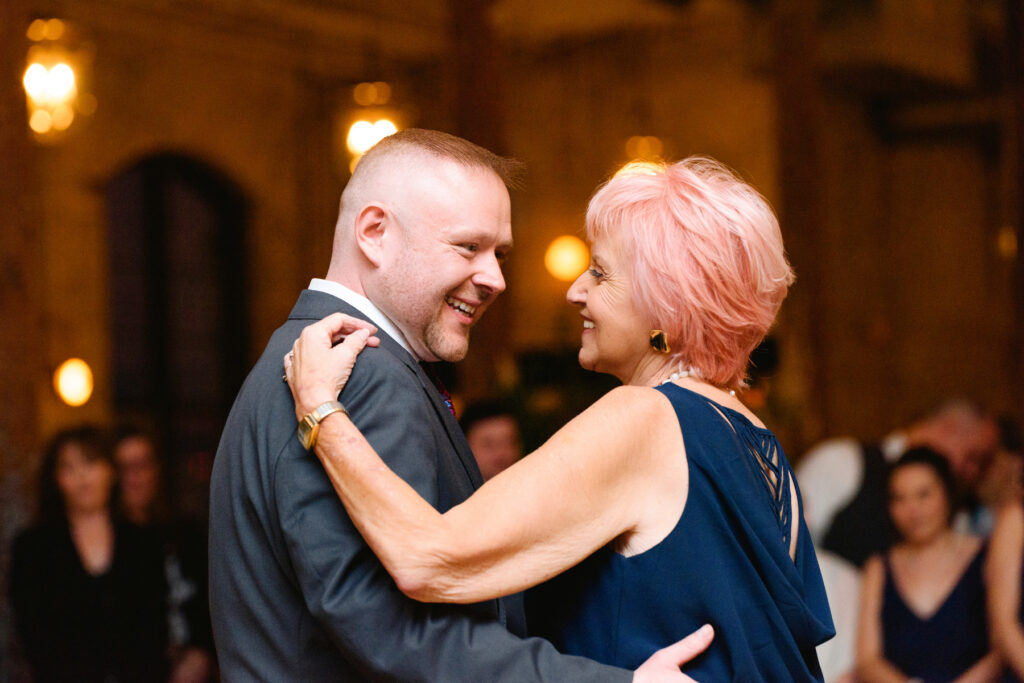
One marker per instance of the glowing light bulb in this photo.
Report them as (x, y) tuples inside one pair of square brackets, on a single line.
[(383, 128), (35, 81), (365, 94), (41, 122), (36, 30), (61, 83), (73, 381), (62, 116), (566, 257), (54, 29), (363, 135), (359, 137)]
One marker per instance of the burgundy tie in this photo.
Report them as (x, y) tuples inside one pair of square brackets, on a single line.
[(428, 368)]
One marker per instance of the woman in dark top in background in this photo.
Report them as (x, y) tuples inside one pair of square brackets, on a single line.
[(143, 501), (923, 603), (88, 592)]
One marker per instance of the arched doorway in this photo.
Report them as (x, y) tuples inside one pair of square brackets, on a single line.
[(176, 234)]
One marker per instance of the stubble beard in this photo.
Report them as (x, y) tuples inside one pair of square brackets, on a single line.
[(446, 346)]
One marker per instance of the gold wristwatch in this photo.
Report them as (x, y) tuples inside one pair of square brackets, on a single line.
[(309, 426)]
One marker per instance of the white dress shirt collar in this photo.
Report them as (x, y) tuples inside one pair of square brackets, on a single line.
[(364, 306)]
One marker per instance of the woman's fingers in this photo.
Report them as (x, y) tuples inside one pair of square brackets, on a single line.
[(316, 368), (343, 356), (663, 666), (339, 325), (689, 647)]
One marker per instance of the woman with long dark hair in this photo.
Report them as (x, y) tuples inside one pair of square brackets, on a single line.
[(88, 591)]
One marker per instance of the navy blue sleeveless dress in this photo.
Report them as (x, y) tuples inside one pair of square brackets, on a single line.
[(947, 643), (726, 563)]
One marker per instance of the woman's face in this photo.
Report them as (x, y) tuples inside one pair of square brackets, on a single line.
[(85, 483), (918, 503), (139, 475), (615, 337)]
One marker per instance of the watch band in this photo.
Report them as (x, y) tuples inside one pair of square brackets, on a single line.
[(309, 426)]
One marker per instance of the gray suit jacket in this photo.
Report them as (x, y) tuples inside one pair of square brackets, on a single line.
[(295, 593)]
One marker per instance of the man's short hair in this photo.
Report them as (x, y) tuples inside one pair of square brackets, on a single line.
[(447, 146)]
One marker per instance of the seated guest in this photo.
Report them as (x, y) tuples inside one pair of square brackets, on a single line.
[(923, 602), (143, 501), (1004, 577), (88, 591), (492, 432), (843, 480), (1002, 482)]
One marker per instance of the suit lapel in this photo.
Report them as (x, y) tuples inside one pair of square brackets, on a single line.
[(455, 435), (314, 305)]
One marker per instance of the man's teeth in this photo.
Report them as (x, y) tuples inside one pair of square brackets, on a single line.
[(587, 325), (460, 306)]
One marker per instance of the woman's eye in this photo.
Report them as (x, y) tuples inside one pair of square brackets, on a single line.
[(596, 274)]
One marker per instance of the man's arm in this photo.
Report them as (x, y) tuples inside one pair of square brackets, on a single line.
[(377, 628)]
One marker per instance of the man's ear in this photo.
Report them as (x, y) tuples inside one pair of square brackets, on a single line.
[(371, 224)]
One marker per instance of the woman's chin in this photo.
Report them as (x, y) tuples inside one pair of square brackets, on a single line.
[(587, 362)]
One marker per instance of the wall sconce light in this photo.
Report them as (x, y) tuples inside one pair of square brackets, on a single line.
[(52, 80), (644, 148), (73, 381), (1006, 243), (375, 120), (566, 257)]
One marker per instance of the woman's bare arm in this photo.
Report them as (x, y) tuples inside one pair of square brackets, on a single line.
[(1003, 575), (872, 667), (596, 480), (585, 487)]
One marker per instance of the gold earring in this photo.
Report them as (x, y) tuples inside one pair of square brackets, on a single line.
[(659, 342)]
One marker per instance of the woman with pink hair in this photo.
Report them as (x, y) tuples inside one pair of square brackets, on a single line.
[(667, 503)]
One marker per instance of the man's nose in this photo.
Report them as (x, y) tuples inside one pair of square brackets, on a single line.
[(490, 275)]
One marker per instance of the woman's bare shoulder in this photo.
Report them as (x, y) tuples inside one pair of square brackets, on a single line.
[(637, 405)]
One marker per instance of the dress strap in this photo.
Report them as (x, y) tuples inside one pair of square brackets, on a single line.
[(775, 474)]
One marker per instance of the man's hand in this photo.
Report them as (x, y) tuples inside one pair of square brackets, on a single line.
[(316, 370), (663, 665)]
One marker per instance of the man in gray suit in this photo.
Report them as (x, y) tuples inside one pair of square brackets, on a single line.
[(295, 593)]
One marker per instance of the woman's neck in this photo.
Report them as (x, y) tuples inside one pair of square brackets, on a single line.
[(93, 535), (88, 518), (940, 543), (652, 370)]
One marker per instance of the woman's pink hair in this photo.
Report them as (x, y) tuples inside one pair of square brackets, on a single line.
[(707, 260)]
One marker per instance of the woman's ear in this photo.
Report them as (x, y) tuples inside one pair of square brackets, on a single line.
[(371, 223)]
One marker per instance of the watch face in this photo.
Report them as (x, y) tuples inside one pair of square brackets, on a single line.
[(305, 432)]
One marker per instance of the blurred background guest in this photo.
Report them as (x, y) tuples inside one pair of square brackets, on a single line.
[(843, 480), (143, 501), (88, 591), (1001, 482), (1004, 575), (923, 602), (1004, 578), (838, 656), (492, 431)]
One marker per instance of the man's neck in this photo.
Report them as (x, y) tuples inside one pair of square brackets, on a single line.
[(363, 304), (346, 277)]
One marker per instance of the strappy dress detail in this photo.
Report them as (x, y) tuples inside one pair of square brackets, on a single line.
[(727, 562)]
